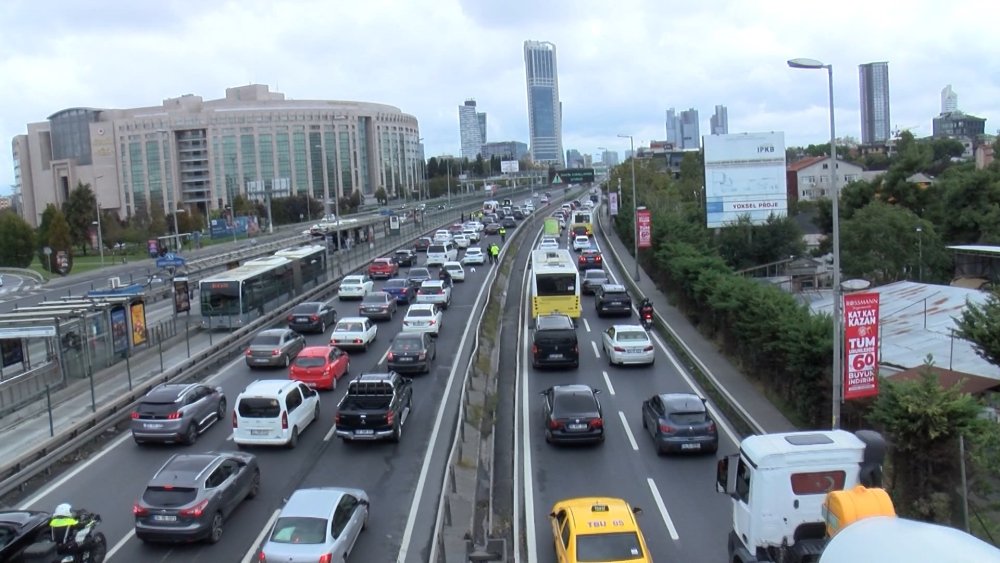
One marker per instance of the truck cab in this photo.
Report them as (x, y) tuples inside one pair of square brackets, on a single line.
[(778, 483)]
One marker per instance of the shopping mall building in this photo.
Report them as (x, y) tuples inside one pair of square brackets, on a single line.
[(189, 153)]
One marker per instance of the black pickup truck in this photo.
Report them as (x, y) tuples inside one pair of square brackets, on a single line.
[(375, 407)]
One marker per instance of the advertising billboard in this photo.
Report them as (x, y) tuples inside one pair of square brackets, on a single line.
[(138, 314), (644, 223), (510, 166), (744, 176), (182, 295), (119, 330), (613, 203), (861, 345)]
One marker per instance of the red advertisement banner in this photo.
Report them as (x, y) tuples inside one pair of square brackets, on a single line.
[(861, 345), (644, 225)]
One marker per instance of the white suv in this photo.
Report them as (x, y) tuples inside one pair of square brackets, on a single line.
[(273, 412), (439, 253)]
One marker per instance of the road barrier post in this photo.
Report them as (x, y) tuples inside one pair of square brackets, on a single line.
[(128, 367), (48, 407)]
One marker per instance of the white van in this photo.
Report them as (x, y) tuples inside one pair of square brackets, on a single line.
[(438, 254), (273, 412)]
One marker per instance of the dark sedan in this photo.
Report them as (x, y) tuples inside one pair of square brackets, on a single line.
[(508, 223), (19, 529), (411, 352), (612, 299), (590, 258), (679, 422), (491, 228), (311, 316), (417, 276), (406, 257), (190, 497), (591, 280), (378, 304), (401, 290), (422, 243), (572, 414)]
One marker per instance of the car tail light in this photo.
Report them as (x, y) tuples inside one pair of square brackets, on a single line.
[(249, 353), (598, 258), (326, 558), (262, 558), (357, 341), (664, 427), (314, 318), (711, 426), (422, 356), (290, 318), (619, 349), (284, 421), (420, 292), (235, 423), (139, 510), (390, 356), (390, 417), (597, 423), (174, 415), (432, 322), (276, 352), (195, 511), (534, 349), (336, 419), (648, 348), (135, 415), (576, 349), (555, 424)]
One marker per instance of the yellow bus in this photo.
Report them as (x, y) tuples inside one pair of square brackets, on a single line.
[(555, 283), (581, 223)]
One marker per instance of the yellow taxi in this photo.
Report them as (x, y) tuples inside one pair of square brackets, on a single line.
[(597, 529)]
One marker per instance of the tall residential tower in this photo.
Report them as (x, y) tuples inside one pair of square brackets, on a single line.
[(720, 121), (949, 100), (544, 108), (471, 129), (874, 80)]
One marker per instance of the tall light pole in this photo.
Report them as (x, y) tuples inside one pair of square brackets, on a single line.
[(100, 231), (326, 186), (232, 194), (635, 209), (838, 333), (920, 253)]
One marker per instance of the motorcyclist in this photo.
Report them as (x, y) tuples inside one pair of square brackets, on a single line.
[(445, 276), (646, 309), (64, 523)]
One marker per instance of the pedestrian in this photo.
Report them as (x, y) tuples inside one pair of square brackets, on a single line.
[(503, 234)]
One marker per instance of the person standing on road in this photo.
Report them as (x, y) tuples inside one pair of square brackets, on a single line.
[(494, 253), (503, 234)]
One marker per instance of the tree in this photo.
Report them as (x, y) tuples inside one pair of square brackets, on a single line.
[(112, 230), (479, 166), (60, 240), (881, 243), (432, 167), (18, 248), (380, 196), (157, 220), (923, 421), (746, 245), (42, 235), (980, 324), (80, 210)]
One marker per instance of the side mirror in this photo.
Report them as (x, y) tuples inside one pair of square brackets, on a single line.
[(552, 514), (725, 474), (636, 510)]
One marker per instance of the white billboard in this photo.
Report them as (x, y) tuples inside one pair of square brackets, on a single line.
[(744, 175), (510, 166)]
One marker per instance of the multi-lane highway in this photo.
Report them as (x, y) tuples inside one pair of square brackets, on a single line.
[(109, 482), (683, 518)]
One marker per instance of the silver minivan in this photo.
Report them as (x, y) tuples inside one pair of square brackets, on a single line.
[(439, 253)]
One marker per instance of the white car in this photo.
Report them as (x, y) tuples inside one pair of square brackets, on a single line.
[(423, 317), (273, 412), (456, 270), (321, 524), (354, 333), (548, 243), (588, 204), (355, 287), (436, 292), (529, 208), (461, 241), (628, 344), (581, 242), (442, 236), (474, 255), (471, 233)]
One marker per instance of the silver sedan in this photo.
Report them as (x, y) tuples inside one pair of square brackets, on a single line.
[(320, 524), (628, 344)]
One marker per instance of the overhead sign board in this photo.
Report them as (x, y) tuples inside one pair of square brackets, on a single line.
[(744, 176), (170, 260), (509, 166), (571, 176)]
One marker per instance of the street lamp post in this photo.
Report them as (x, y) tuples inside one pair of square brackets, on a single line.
[(326, 186), (838, 334), (635, 209), (920, 253), (100, 231)]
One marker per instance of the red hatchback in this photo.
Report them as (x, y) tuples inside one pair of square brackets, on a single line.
[(320, 367), (383, 268)]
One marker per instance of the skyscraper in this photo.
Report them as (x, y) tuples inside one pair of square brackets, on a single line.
[(875, 123), (949, 100), (544, 107), (720, 121), (690, 136), (673, 128), (472, 129)]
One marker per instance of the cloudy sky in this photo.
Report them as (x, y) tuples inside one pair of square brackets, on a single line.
[(622, 63)]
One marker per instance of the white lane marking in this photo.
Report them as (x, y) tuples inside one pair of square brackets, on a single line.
[(597, 353), (628, 431), (663, 509), (329, 434), (521, 430), (411, 518), (248, 558), (227, 367), (607, 380), (32, 501), (121, 543), (586, 325), (384, 356)]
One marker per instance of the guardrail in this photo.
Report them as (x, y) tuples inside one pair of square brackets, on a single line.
[(38, 460)]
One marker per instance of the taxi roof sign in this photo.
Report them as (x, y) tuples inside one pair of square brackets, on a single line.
[(599, 508)]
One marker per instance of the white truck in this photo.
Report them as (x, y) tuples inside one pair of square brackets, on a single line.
[(783, 512)]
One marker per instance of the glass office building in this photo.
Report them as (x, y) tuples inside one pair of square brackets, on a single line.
[(544, 108)]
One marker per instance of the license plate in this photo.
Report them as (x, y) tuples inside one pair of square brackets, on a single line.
[(635, 350), (152, 426), (690, 446), (164, 518), (577, 427), (616, 303), (260, 360), (259, 432), (301, 319), (364, 432), (556, 356), (404, 359)]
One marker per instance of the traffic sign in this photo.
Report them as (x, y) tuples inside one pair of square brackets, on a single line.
[(170, 260), (571, 176)]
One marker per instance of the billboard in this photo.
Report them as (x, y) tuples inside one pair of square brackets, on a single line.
[(510, 166), (613, 203), (644, 223), (138, 313), (182, 295), (744, 175), (861, 345), (119, 330)]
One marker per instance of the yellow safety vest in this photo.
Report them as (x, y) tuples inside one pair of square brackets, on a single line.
[(62, 522)]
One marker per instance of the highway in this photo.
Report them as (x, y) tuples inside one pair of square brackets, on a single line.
[(109, 482), (683, 517)]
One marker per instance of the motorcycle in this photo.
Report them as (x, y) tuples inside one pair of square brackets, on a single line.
[(86, 545), (647, 320)]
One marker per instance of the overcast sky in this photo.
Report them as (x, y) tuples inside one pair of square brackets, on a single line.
[(621, 63)]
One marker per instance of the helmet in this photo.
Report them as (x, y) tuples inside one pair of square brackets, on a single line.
[(64, 510)]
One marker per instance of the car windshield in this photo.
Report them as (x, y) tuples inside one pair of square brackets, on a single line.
[(407, 344), (259, 407), (473, 251), (573, 403), (157, 408), (374, 298), (632, 336), (381, 262), (621, 546), (419, 273), (431, 290), (303, 308), (348, 327), (395, 283), (592, 275), (419, 313), (266, 340), (351, 280), (452, 267), (310, 361), (169, 497), (297, 529), (688, 417)]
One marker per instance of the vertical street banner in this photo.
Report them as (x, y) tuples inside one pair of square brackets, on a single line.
[(613, 203), (182, 295), (138, 313), (119, 330), (861, 345), (644, 225)]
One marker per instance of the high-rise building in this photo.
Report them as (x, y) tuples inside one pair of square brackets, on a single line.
[(875, 123), (472, 129), (949, 100), (544, 107), (574, 159), (673, 128), (610, 158), (720, 121), (506, 150), (690, 136)]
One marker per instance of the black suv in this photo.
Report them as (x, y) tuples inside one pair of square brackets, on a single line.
[(612, 299), (554, 342)]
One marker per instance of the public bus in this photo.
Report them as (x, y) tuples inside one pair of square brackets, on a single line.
[(581, 223), (555, 283), (309, 265)]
